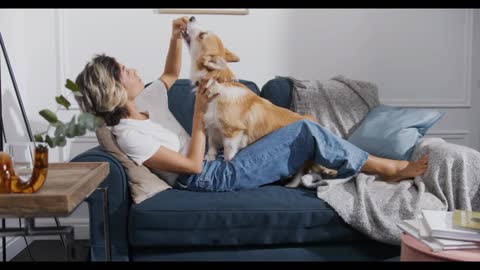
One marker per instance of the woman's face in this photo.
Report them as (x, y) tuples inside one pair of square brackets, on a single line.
[(131, 81)]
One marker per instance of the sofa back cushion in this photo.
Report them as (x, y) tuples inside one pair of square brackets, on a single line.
[(278, 91), (339, 104), (181, 100)]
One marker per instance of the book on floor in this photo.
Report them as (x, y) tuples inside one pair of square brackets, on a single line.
[(440, 225), (463, 219), (414, 228)]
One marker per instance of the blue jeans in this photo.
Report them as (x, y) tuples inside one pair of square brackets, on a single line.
[(279, 154)]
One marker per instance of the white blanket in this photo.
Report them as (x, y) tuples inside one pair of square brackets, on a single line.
[(367, 203)]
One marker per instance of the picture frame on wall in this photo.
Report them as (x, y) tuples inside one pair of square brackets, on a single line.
[(213, 11)]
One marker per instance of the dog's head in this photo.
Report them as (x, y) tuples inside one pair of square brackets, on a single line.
[(206, 48)]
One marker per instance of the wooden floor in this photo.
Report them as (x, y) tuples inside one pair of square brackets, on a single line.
[(51, 251)]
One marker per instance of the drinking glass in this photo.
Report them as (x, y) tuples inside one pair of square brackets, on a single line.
[(22, 156)]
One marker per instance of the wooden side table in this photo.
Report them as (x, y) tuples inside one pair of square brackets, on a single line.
[(414, 250), (66, 186)]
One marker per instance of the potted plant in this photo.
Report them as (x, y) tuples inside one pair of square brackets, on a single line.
[(77, 126)]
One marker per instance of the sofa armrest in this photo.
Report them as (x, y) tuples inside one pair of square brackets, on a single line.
[(119, 204), (452, 174)]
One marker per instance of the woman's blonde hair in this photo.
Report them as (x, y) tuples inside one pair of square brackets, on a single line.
[(102, 92)]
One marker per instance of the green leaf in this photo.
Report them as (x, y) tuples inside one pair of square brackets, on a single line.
[(60, 129), (71, 85), (50, 116), (60, 141), (70, 128), (38, 138), (87, 120), (63, 101), (50, 142), (80, 130)]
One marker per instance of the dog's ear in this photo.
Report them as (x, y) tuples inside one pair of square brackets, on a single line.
[(230, 56), (213, 62)]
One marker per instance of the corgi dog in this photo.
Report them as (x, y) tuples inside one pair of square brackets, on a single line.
[(236, 117)]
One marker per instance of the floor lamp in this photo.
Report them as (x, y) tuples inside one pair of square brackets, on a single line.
[(2, 130)]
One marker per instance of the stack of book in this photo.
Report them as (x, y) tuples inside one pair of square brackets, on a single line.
[(442, 230)]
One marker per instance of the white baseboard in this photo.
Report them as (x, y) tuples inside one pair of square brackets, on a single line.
[(16, 244)]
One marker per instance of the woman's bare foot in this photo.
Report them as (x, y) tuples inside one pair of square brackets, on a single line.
[(403, 169)]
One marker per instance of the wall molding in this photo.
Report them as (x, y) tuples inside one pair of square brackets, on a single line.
[(466, 88), (85, 139), (61, 58), (454, 134), (67, 149), (62, 55)]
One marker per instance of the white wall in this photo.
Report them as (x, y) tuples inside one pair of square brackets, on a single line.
[(418, 57), (473, 112)]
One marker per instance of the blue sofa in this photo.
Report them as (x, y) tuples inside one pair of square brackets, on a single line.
[(269, 223)]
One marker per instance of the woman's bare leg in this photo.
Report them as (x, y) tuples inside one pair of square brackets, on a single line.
[(395, 170)]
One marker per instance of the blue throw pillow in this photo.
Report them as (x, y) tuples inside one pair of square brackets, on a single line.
[(392, 132)]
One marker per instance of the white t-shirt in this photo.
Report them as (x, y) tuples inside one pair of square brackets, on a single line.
[(140, 139)]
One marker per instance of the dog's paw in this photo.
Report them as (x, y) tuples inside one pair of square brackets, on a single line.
[(295, 181), (324, 171), (329, 173), (211, 94), (210, 156), (229, 155)]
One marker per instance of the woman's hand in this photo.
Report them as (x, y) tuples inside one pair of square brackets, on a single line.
[(179, 25), (202, 97)]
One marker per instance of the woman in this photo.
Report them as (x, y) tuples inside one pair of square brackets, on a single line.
[(149, 134)]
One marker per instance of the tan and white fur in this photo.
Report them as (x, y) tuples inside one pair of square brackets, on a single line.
[(236, 117)]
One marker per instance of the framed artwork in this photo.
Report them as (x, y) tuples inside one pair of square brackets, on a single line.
[(214, 11)]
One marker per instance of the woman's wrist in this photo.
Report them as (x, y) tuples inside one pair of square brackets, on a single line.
[(198, 120), (198, 116), (176, 37)]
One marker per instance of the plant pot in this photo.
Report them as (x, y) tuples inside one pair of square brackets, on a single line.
[(39, 174), (10, 181), (6, 173)]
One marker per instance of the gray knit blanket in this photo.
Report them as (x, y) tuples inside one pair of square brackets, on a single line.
[(364, 201)]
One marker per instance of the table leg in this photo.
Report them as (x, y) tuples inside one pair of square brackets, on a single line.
[(106, 223), (31, 230), (4, 243), (70, 246)]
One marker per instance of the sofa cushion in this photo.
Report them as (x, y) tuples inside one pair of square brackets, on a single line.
[(270, 214), (181, 100), (278, 91), (392, 132)]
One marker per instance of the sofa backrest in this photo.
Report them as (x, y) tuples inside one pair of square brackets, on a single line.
[(181, 100), (278, 91)]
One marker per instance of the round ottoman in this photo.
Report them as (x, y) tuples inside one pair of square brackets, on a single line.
[(414, 250)]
